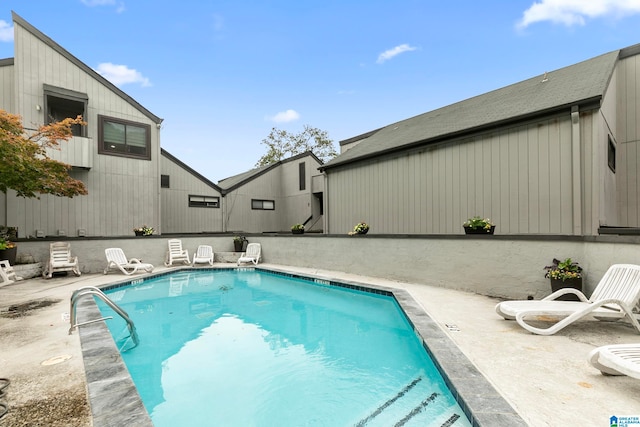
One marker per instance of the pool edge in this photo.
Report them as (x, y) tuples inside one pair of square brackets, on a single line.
[(115, 401)]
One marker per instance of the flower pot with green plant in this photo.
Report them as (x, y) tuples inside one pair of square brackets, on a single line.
[(360, 228), (8, 250), (564, 274), (239, 243), (143, 231), (478, 225), (297, 229)]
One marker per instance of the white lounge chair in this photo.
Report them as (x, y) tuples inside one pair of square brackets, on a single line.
[(60, 259), (117, 260), (7, 273), (176, 253), (204, 255), (617, 359), (615, 298), (252, 254)]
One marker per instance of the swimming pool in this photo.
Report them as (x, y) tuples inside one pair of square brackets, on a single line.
[(108, 384), (243, 348)]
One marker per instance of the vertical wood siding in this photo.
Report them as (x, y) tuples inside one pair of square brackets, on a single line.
[(520, 178), (628, 140), (177, 216), (280, 184), (123, 193)]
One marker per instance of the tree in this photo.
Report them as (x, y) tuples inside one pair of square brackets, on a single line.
[(24, 164), (283, 144)]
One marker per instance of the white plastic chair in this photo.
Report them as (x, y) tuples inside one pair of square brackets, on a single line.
[(117, 260), (7, 273), (615, 298), (60, 259), (176, 253), (204, 255), (617, 359), (252, 254)]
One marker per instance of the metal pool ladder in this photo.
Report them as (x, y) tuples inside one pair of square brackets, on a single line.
[(92, 290)]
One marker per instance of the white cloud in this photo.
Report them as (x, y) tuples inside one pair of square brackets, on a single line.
[(575, 12), (6, 31), (285, 116), (388, 54), (91, 3), (121, 74)]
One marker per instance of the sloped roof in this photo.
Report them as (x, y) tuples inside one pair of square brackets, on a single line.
[(62, 51), (189, 169), (577, 84), (233, 182)]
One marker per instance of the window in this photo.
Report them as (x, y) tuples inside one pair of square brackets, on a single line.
[(266, 205), (63, 103), (124, 138), (301, 175), (204, 202), (611, 155), (164, 181)]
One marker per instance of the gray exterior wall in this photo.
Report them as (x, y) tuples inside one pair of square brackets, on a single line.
[(280, 184), (123, 192), (499, 266), (627, 125), (6, 103), (521, 177), (177, 216)]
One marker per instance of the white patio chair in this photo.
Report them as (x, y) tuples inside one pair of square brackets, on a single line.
[(617, 359), (204, 255), (252, 254), (60, 259), (176, 253), (117, 260), (7, 273), (615, 298)]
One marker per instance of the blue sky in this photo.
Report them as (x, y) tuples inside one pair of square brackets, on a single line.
[(223, 73)]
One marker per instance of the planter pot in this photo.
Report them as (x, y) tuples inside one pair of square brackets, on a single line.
[(9, 255), (297, 231), (363, 231), (469, 230), (238, 246), (569, 283), (138, 233)]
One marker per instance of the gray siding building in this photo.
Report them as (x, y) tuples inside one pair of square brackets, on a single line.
[(554, 154)]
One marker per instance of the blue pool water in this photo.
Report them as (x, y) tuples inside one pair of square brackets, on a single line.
[(253, 348)]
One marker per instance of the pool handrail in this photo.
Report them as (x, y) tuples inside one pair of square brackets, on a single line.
[(92, 290)]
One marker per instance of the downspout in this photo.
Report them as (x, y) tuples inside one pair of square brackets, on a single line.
[(325, 202), (576, 171), (223, 205)]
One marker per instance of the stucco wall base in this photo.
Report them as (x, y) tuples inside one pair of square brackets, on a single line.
[(499, 266)]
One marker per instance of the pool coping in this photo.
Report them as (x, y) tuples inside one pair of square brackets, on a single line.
[(115, 401)]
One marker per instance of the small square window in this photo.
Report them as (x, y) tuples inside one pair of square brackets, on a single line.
[(164, 181)]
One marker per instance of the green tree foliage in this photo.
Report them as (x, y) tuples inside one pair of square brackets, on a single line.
[(282, 144), (24, 164)]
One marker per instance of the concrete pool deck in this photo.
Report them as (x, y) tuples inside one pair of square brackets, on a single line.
[(547, 379)]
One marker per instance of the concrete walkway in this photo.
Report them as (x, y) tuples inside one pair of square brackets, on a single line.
[(547, 379)]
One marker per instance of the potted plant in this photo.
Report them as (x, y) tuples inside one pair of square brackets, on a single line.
[(297, 229), (143, 231), (564, 274), (239, 243), (360, 228), (478, 225), (8, 250)]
